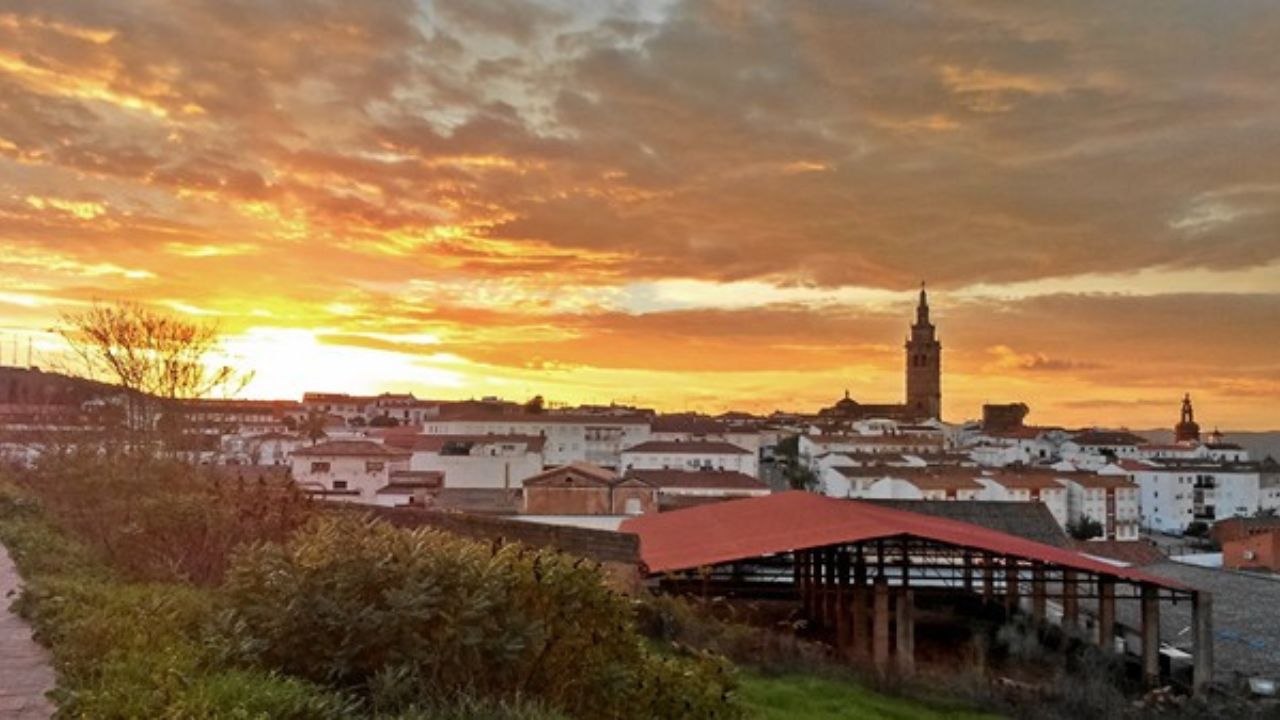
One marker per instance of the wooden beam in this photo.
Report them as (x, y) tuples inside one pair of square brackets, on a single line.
[(829, 588), (844, 623), (1070, 601), (988, 578), (906, 632), (1202, 639), (1150, 635), (861, 624), (1038, 592), (1010, 585), (1106, 613), (880, 622)]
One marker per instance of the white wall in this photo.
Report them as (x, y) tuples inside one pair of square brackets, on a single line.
[(354, 471), (746, 463), (1055, 499), (481, 470), (1091, 502), (598, 441)]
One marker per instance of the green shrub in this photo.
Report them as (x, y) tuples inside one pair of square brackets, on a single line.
[(690, 623), (403, 616), (157, 517), (121, 650), (253, 695), (471, 708)]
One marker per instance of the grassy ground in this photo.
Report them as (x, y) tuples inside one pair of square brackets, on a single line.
[(810, 697)]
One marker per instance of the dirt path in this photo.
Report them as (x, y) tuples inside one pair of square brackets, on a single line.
[(25, 672)]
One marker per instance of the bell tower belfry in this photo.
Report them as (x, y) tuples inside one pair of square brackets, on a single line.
[(924, 364), (1187, 430)]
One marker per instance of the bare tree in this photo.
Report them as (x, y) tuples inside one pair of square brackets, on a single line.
[(157, 359)]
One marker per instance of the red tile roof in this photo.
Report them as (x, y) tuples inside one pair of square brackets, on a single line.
[(796, 520), (1133, 552), (546, 418), (1025, 481), (435, 443), (1022, 433), (407, 482), (589, 471), (699, 479), (1092, 481), (692, 447), (351, 448), (689, 424), (924, 478), (885, 440), (1108, 438)]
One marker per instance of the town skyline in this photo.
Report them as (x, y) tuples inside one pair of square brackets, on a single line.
[(688, 205)]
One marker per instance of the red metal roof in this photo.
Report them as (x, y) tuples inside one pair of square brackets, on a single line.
[(759, 526)]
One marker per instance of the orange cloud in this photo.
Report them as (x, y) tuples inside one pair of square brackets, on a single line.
[(690, 204)]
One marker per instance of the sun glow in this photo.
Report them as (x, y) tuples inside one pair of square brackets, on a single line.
[(287, 363)]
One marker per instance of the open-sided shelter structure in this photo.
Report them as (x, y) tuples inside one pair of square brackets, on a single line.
[(855, 568)]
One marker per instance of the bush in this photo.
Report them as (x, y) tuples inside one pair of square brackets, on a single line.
[(687, 622), (253, 695), (471, 708), (134, 650), (401, 617), (157, 517)]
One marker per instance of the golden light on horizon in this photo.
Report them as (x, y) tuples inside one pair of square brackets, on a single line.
[(416, 197)]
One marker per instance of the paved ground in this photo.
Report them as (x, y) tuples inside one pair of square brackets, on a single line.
[(25, 673)]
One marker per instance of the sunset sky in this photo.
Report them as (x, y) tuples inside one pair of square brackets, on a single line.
[(689, 205)]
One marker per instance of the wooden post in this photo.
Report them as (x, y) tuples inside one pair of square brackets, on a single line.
[(815, 578), (880, 621), (988, 578), (829, 590), (968, 571), (861, 626), (1070, 601), (1106, 613), (802, 572), (1202, 641), (906, 634), (843, 624), (1010, 585), (906, 561), (1150, 634), (797, 577), (1038, 600)]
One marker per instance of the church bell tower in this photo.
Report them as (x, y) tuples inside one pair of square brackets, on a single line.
[(924, 365), (1187, 430)]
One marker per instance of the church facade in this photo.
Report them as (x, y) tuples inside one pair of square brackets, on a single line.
[(923, 378)]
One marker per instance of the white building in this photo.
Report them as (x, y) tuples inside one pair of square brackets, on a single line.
[(686, 428), (478, 461), (1094, 449), (1175, 494), (1111, 501), (348, 470), (570, 438), (1021, 446), (676, 486), (812, 447), (697, 455), (1027, 486), (270, 448), (923, 486)]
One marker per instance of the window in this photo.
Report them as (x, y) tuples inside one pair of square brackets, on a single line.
[(632, 506), (339, 484), (373, 466), (319, 467)]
